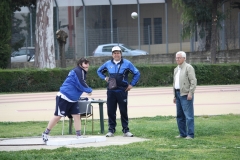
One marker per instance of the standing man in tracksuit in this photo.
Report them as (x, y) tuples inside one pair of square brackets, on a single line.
[(119, 69)]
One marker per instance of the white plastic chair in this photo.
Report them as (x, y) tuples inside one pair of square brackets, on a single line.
[(86, 111)]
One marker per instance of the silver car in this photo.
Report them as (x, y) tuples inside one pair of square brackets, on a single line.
[(24, 54), (106, 50)]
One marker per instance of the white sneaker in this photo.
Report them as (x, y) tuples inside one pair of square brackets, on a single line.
[(44, 137), (179, 136), (188, 137), (109, 134), (128, 134), (78, 137)]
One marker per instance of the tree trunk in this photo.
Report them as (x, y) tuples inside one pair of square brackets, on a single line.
[(201, 40), (62, 39), (62, 56), (204, 37), (45, 52), (214, 32), (208, 31)]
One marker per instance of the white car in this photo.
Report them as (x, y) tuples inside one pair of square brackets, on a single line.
[(106, 50), (24, 54), (32, 59)]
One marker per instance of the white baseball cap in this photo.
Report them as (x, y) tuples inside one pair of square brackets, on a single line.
[(116, 48)]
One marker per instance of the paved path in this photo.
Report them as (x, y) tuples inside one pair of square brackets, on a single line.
[(17, 144), (143, 102)]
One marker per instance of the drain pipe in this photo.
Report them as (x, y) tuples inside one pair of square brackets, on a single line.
[(111, 21), (84, 28), (139, 33), (166, 19)]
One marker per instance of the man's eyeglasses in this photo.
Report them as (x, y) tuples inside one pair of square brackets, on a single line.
[(179, 57)]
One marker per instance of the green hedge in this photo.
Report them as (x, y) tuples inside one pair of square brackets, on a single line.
[(217, 74), (32, 80)]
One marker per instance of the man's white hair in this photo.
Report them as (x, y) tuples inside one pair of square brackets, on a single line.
[(183, 54)]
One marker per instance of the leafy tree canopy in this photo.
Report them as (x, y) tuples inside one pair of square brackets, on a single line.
[(235, 5), (196, 13), (17, 4)]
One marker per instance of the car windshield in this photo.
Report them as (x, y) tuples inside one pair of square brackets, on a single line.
[(19, 53), (128, 47)]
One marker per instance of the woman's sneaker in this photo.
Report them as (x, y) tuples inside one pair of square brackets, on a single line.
[(109, 134), (128, 134), (44, 137)]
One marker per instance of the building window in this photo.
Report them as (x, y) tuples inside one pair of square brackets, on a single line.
[(147, 31), (157, 30)]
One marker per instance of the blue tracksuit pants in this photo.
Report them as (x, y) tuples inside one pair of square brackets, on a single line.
[(114, 98)]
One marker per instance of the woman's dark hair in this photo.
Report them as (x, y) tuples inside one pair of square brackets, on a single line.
[(81, 61)]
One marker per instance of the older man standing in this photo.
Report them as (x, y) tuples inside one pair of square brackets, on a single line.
[(184, 85)]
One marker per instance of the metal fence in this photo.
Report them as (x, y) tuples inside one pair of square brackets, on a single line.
[(151, 34)]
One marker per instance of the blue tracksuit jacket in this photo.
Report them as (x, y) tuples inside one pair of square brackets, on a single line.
[(75, 84), (122, 77)]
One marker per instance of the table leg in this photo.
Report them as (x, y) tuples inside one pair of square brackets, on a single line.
[(70, 125), (101, 117)]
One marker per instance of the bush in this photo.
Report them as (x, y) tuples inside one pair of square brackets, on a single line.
[(5, 33), (45, 80)]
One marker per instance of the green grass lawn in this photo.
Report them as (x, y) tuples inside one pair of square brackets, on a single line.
[(216, 137)]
